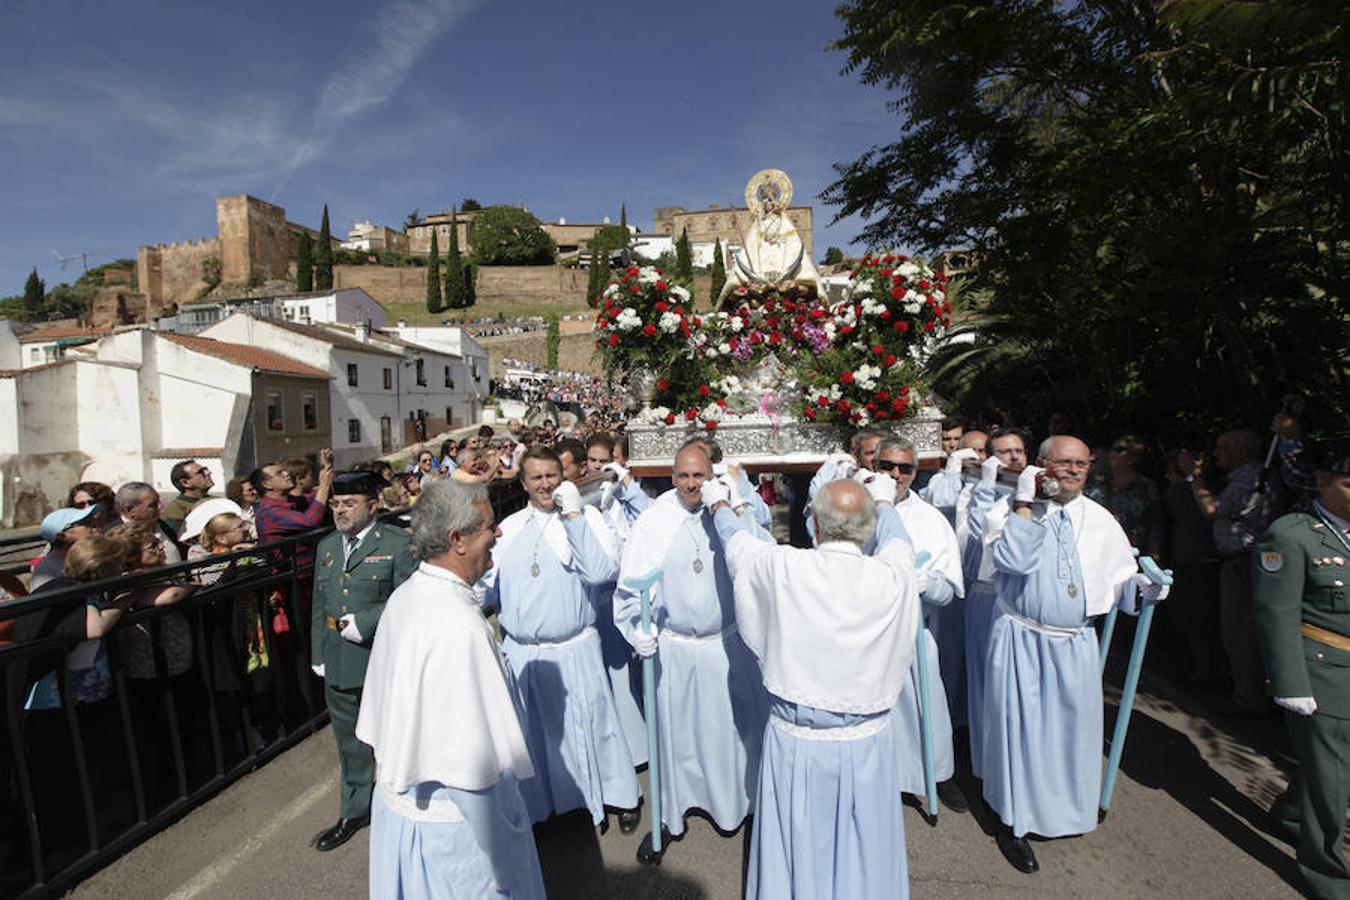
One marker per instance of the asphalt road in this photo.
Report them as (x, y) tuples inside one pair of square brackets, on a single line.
[(1188, 820)]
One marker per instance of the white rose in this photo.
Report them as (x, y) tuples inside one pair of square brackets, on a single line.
[(680, 294)]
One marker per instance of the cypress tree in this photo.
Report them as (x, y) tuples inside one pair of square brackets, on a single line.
[(470, 274), (323, 258), (304, 262), (34, 290), (434, 275), (593, 287), (719, 270), (456, 293), (623, 219), (684, 258)]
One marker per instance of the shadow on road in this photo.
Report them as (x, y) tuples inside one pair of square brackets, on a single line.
[(569, 853), (1160, 757)]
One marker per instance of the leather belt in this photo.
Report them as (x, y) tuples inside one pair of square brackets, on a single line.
[(1322, 636)]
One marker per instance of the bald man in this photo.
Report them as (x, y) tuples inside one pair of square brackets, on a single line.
[(1056, 565)]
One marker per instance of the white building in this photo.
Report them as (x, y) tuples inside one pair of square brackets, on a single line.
[(48, 345), (129, 406), (346, 305), (651, 246), (469, 376)]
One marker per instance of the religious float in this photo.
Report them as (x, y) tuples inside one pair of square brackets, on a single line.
[(780, 371)]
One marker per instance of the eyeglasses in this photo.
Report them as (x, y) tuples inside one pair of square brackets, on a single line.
[(83, 504), (1080, 465), (885, 465)]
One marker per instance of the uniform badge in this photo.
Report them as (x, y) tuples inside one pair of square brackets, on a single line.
[(1271, 561), (328, 559)]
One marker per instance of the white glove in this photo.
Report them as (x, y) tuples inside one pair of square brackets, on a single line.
[(349, 631), (734, 494), (318, 670), (1304, 706), (921, 580), (567, 498), (881, 488), (715, 492), (1026, 485), (958, 459), (644, 642), (619, 472), (719, 469), (989, 471), (844, 464), (1148, 591)]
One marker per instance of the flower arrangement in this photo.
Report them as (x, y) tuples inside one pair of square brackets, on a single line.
[(854, 361)]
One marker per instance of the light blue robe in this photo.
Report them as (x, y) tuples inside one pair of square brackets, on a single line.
[(490, 853), (553, 651), (710, 701), (979, 618), (829, 823), (948, 623), (1042, 744), (625, 672)]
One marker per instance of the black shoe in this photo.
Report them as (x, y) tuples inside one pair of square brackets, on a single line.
[(949, 792), (649, 857), (1017, 851), (630, 819), (340, 833)]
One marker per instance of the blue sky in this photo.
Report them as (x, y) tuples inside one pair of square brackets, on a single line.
[(121, 122)]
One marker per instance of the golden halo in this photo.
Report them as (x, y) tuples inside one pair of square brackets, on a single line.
[(768, 184)]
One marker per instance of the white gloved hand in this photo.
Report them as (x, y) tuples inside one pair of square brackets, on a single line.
[(567, 498), (619, 472), (921, 580), (719, 469), (958, 459), (714, 492), (881, 488), (1026, 485), (318, 670), (1148, 591), (1304, 706), (733, 493), (644, 642), (348, 630), (844, 464), (989, 471)]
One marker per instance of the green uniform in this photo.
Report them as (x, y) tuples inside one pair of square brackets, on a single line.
[(355, 586), (1299, 576)]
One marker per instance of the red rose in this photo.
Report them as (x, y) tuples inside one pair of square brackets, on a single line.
[(679, 310), (886, 273), (897, 293), (901, 326), (691, 414), (928, 326), (684, 328), (870, 406), (878, 350), (755, 338), (670, 418), (843, 406), (614, 340), (710, 425), (846, 378), (703, 390), (883, 396), (775, 338), (845, 329), (662, 384), (889, 360), (649, 330), (924, 284), (633, 289), (613, 312), (855, 418), (886, 315), (883, 415), (904, 390), (721, 401), (899, 404), (697, 321), (823, 400), (661, 306), (632, 270), (809, 412), (661, 286)]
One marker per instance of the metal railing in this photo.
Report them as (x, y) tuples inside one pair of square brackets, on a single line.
[(126, 750)]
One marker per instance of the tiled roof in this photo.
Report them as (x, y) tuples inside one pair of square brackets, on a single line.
[(246, 355), (323, 334), (56, 334)]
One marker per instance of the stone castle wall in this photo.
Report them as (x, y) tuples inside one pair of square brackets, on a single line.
[(254, 239), (496, 284), (576, 352), (172, 273)]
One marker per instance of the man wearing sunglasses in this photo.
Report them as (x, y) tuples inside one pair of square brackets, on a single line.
[(940, 583), (194, 483)]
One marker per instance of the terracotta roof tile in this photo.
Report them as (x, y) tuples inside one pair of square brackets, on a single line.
[(246, 355), (323, 334)]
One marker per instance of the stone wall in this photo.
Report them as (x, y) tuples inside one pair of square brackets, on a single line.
[(576, 352), (172, 273), (387, 284), (254, 239), (114, 305), (496, 284)]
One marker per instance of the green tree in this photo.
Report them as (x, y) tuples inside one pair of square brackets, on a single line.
[(508, 236), (34, 290), (554, 339), (1155, 195), (719, 270), (593, 285), (470, 282), (434, 304), (684, 258), (456, 289), (608, 238), (833, 257), (623, 218), (304, 262), (468, 204), (323, 256), (412, 218)]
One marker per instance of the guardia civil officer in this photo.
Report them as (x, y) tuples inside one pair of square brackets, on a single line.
[(356, 568), (1299, 576)]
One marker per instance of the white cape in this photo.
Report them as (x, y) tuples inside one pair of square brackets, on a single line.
[(437, 705), (651, 537), (513, 526), (929, 530)]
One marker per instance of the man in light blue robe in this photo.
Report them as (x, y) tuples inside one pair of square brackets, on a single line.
[(710, 702), (829, 821), (551, 560), (1057, 565)]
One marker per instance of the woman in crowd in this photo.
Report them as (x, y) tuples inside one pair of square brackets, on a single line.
[(395, 496), (61, 529), (1131, 496), (88, 493), (245, 494), (412, 485), (426, 466)]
